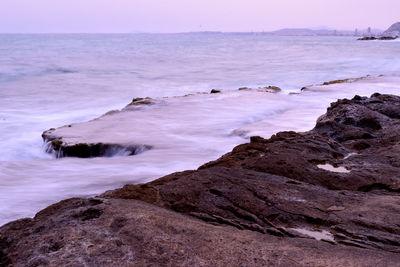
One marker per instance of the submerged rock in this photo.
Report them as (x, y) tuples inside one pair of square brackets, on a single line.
[(265, 203), (273, 89), (215, 91), (349, 80)]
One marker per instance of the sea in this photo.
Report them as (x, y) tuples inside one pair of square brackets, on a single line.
[(50, 80)]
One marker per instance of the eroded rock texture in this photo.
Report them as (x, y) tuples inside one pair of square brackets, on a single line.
[(267, 202)]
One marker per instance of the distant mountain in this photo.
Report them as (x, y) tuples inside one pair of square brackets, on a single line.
[(322, 32), (393, 31)]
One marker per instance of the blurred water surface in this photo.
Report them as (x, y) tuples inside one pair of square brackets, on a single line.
[(52, 80)]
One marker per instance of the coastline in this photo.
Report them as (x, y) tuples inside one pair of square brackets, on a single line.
[(215, 124), (268, 191)]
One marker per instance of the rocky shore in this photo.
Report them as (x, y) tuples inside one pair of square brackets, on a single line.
[(326, 197)]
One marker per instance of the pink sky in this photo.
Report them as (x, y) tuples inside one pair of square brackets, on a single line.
[(192, 15)]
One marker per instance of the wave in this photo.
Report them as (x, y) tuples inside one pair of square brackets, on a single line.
[(16, 75)]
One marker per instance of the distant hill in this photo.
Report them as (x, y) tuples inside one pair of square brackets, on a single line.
[(321, 32), (393, 31), (301, 32)]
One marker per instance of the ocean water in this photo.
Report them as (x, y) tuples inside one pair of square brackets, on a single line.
[(51, 80)]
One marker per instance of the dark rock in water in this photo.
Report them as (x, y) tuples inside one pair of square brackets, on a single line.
[(272, 88), (215, 91), (337, 81), (88, 150), (377, 38), (329, 196), (387, 38), (141, 101), (349, 80), (367, 38), (393, 31)]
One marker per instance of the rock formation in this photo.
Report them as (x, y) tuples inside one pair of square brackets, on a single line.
[(326, 197)]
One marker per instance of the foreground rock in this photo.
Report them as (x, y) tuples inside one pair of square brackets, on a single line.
[(268, 202), (117, 232)]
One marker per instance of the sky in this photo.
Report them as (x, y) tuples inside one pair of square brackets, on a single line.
[(122, 16)]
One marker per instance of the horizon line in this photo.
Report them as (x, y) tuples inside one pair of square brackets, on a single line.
[(185, 32)]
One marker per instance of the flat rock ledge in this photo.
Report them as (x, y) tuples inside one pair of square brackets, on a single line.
[(100, 137), (268, 202)]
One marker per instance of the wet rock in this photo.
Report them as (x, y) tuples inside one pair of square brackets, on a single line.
[(273, 89), (384, 38), (349, 80), (367, 38), (141, 101), (387, 38), (336, 81), (56, 146), (215, 91)]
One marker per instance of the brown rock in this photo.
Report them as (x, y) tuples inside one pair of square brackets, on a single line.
[(132, 233)]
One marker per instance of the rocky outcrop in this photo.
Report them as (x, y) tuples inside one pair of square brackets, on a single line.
[(268, 202), (56, 146)]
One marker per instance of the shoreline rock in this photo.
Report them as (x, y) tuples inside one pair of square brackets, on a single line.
[(264, 203)]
